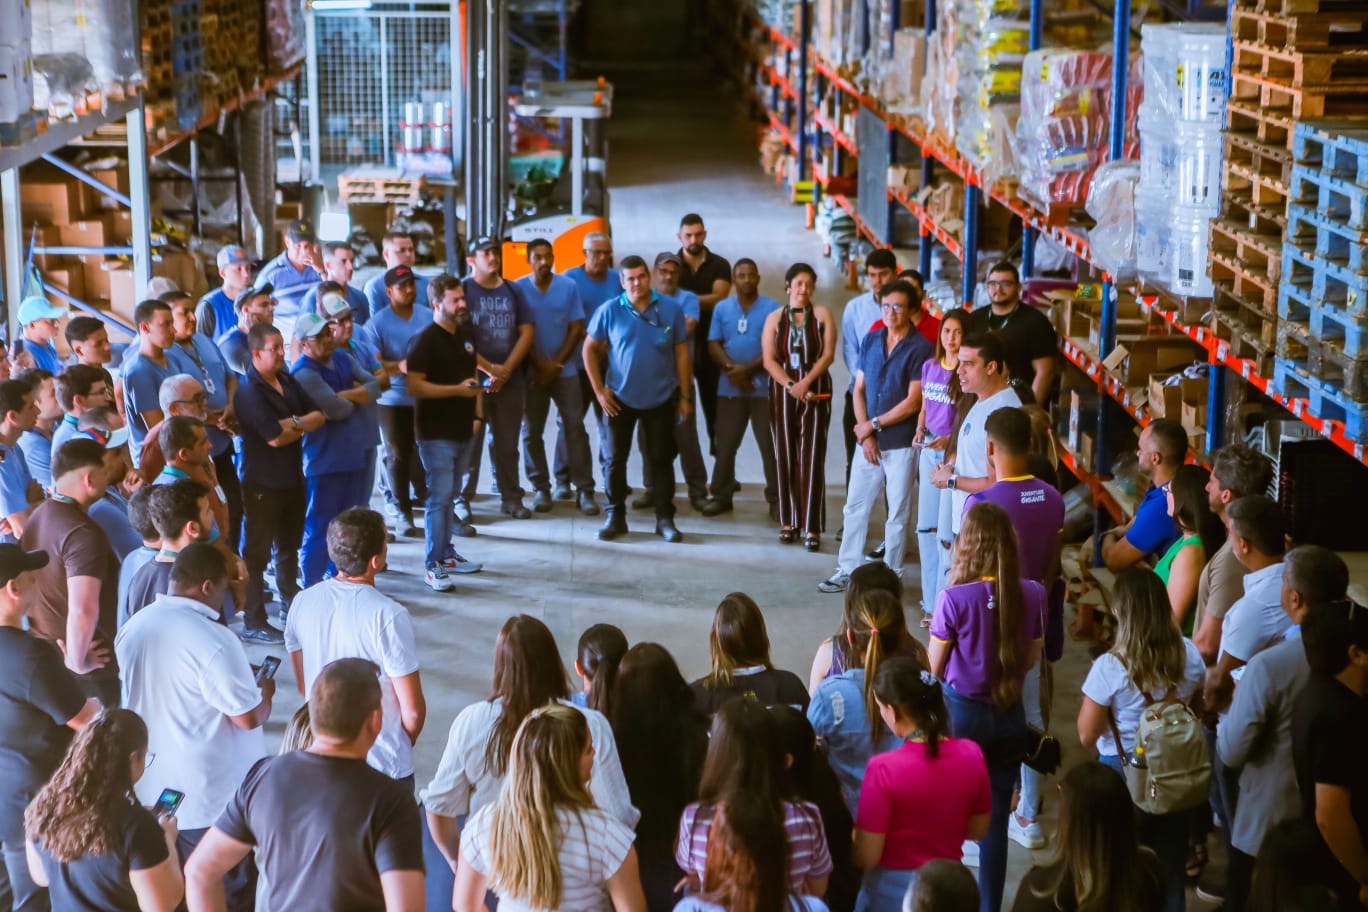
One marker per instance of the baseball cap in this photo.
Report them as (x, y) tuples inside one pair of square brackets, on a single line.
[(249, 293), (399, 275), (668, 257), (300, 230), (14, 560), (486, 243), (110, 440), (231, 254), (160, 285), (39, 308), (309, 325), (332, 306)]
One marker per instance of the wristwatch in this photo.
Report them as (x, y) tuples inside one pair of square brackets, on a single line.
[(687, 397), (954, 482), (295, 419), (874, 423)]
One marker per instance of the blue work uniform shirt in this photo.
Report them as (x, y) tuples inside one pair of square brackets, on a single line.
[(335, 446), (64, 431), (44, 356), (288, 284), (389, 336), (594, 293), (211, 370), (497, 314), (360, 305), (214, 315), (740, 332), (236, 351), (368, 428), (552, 313), (641, 357), (37, 448), (110, 513), (374, 290), (1153, 530), (259, 409), (142, 388), (14, 483), (887, 375)]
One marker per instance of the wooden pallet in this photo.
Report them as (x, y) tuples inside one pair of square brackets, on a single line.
[(379, 185), (1239, 208), (1333, 197), (1255, 290), (1337, 28), (1326, 363), (1254, 254), (1312, 279), (1339, 148), (1323, 323), (1300, 69), (1299, 7), (1344, 247), (1255, 347), (1258, 161)]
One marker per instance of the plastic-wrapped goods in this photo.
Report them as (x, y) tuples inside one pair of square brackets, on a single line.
[(1111, 203), (940, 100), (81, 47), (992, 40), (1064, 125), (284, 33)]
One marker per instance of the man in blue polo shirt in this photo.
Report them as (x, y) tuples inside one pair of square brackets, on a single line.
[(887, 399), (1163, 448), (596, 281), (155, 358), (734, 343), (274, 414), (38, 320), (644, 341), (339, 262), (214, 315), (558, 331), (335, 309), (252, 306), (396, 249), (333, 462), (292, 273), (80, 387)]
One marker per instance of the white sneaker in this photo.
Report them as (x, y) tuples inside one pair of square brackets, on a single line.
[(459, 564), (970, 852), (438, 581), (1028, 835)]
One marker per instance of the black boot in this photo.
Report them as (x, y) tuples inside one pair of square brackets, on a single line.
[(614, 525), (665, 528)]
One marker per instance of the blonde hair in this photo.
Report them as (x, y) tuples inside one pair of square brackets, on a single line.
[(987, 550), (524, 829), (298, 734), (878, 628), (1042, 434), (1149, 644)]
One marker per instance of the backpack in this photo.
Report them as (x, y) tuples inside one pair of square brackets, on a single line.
[(1170, 767)]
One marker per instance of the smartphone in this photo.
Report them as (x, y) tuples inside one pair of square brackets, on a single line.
[(167, 803), (269, 666)]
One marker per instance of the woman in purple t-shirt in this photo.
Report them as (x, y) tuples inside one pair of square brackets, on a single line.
[(985, 635), (940, 396)]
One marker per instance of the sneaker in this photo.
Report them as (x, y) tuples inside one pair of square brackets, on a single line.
[(278, 622), (438, 581), (459, 564), (877, 554), (837, 582), (1027, 834), (541, 502), (970, 854), (461, 510), (516, 510), (463, 530), (1211, 890), (563, 492), (263, 636)]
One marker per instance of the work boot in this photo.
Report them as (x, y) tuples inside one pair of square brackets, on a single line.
[(614, 525), (665, 528)]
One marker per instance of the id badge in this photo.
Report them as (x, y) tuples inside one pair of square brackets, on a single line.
[(795, 361), (741, 325), (209, 387)]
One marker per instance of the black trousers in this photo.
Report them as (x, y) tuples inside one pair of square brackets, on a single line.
[(232, 493), (706, 372), (657, 426), (403, 468), (272, 518), (848, 431)]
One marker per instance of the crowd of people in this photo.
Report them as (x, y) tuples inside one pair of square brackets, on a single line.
[(145, 506)]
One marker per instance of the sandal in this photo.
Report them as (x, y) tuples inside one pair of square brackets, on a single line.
[(788, 536), (813, 542)]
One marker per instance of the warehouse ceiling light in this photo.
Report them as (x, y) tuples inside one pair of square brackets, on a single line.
[(334, 5)]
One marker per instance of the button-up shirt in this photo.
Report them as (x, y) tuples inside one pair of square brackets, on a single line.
[(860, 314), (259, 409), (1256, 620), (288, 283), (887, 375)]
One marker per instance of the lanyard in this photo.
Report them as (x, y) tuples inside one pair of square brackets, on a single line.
[(174, 472), (641, 315)]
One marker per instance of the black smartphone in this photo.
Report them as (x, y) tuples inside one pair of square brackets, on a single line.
[(167, 804), (269, 666)]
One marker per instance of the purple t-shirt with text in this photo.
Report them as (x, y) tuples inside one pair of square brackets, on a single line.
[(1037, 514), (966, 620), (936, 401)]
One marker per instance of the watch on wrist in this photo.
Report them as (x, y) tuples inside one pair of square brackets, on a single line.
[(954, 482), (295, 419), (789, 385), (874, 423)]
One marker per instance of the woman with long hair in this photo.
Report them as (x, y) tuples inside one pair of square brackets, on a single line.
[(921, 801), (744, 758), (799, 345), (739, 647), (1098, 863), (1044, 458), (809, 778), (89, 841), (746, 865), (542, 843), (1150, 661), (940, 395), (836, 653), (1202, 534), (985, 635), (597, 656), (528, 674), (662, 740), (843, 710)]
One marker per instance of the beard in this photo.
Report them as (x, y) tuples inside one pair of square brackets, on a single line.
[(461, 317)]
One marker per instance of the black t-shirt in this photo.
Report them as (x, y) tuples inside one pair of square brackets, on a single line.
[(37, 698), (700, 282), (1028, 333), (444, 357), (151, 580), (99, 883), (327, 828), (769, 687), (1042, 879), (1329, 746)]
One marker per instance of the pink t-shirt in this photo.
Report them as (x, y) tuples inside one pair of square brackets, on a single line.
[(923, 804), (966, 619)]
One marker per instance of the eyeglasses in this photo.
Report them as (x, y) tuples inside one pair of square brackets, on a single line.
[(1000, 283), (193, 400), (147, 761), (894, 308)]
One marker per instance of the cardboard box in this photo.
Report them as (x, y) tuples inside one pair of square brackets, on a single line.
[(49, 197), (44, 236), (122, 293), (16, 74), (70, 278), (111, 173), (904, 177), (903, 76), (85, 234), (96, 278), (119, 227), (185, 269), (1166, 399), (1194, 414), (1134, 361)]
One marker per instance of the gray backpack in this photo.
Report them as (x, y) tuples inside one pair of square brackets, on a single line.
[(1170, 767)]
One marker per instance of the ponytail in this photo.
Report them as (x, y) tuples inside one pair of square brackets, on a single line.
[(600, 652), (1010, 661), (882, 626), (986, 550), (915, 695)]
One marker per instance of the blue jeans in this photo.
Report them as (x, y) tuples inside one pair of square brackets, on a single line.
[(883, 889), (1167, 836), (24, 894), (1029, 805), (329, 495), (928, 517), (1001, 735), (445, 462)]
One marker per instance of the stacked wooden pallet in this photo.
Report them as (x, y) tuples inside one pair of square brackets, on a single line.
[(1291, 60), (1323, 297)]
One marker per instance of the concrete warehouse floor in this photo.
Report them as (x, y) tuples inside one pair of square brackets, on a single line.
[(676, 146)]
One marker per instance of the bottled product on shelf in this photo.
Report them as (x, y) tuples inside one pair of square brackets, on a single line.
[(81, 51), (992, 41)]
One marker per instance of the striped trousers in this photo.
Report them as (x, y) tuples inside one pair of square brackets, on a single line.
[(799, 431)]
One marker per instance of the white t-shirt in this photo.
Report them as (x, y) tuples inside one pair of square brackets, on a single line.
[(462, 785), (971, 452), (1109, 685), (185, 674), (593, 848), (340, 620), (1256, 620)]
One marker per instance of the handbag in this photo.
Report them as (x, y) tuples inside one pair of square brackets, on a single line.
[(1043, 751)]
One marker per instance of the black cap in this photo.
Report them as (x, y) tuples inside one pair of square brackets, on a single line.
[(399, 275), (486, 243), (248, 293), (300, 230), (14, 560)]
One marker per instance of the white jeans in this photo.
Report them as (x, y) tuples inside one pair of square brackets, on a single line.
[(897, 471)]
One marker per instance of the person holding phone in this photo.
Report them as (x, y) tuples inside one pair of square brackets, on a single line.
[(940, 400), (89, 840)]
